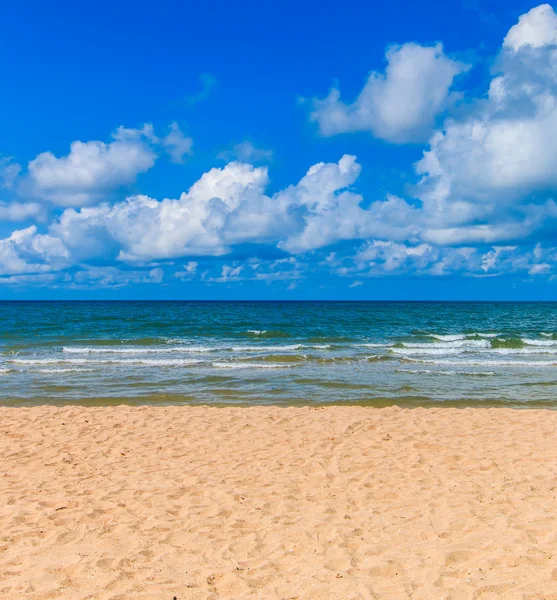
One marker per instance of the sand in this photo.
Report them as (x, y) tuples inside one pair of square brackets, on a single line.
[(333, 503)]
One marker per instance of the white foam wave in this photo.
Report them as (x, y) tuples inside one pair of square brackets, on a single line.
[(450, 344), (531, 342), (435, 372), (188, 349), (49, 361), (150, 350), (61, 371), (287, 348), (534, 350), (153, 362), (546, 334), (227, 365), (257, 331), (377, 345), (448, 338), (486, 362), (431, 351)]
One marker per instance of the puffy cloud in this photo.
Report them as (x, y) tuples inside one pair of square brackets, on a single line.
[(246, 152), (485, 191), (401, 104), (490, 176), (177, 144), (91, 169), (536, 28), (26, 251), (21, 211), (228, 206)]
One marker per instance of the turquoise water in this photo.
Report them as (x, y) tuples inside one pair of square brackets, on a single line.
[(376, 353)]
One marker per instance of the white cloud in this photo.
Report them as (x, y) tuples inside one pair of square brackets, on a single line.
[(26, 251), (190, 269), (398, 106), (486, 193), (226, 207), (91, 169), (177, 144), (21, 211), (490, 176), (246, 152), (536, 28)]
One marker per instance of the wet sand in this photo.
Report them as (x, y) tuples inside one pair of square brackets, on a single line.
[(277, 503)]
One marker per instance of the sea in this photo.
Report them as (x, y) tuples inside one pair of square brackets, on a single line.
[(283, 353)]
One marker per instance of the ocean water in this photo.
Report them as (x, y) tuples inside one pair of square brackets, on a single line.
[(369, 353)]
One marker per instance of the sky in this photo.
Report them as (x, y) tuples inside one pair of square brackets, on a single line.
[(176, 150)]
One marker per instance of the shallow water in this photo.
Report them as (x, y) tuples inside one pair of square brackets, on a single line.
[(376, 353)]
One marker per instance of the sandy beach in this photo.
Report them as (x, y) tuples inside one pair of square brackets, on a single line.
[(267, 502)]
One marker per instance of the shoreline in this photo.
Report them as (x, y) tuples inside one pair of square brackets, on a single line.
[(319, 502)]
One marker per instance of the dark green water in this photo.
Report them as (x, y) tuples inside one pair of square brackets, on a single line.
[(376, 353)]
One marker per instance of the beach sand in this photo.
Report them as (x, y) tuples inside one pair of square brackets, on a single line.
[(267, 502)]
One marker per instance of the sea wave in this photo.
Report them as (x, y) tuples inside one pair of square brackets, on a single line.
[(436, 372), (448, 337), (245, 365), (61, 371), (531, 342), (485, 362), (431, 351), (194, 349), (120, 350), (154, 362), (449, 344)]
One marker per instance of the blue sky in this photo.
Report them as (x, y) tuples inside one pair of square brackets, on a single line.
[(373, 151)]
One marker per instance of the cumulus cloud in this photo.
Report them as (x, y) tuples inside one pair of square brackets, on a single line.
[(21, 211), (27, 251), (400, 105), (484, 202), (228, 206), (536, 29), (91, 169), (490, 176)]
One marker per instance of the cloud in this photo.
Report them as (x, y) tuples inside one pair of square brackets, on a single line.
[(226, 207), (400, 105), (490, 176), (246, 152), (9, 170), (484, 200), (27, 251), (190, 269), (92, 169), (536, 29), (177, 144), (17, 211)]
